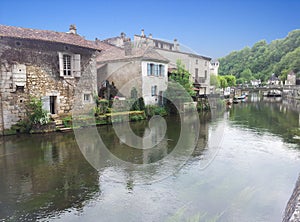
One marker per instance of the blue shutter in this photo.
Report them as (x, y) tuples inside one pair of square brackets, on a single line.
[(162, 70), (148, 69)]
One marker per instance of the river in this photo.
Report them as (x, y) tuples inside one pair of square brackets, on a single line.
[(243, 167)]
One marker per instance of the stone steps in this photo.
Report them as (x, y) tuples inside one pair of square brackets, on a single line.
[(59, 125)]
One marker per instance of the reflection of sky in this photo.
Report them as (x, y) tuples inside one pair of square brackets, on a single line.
[(251, 179)]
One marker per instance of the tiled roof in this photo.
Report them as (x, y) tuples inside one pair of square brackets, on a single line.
[(116, 53), (51, 36)]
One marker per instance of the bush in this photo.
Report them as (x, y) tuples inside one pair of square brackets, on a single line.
[(152, 110), (36, 113), (138, 105)]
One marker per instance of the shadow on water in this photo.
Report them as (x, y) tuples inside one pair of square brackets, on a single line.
[(42, 175)]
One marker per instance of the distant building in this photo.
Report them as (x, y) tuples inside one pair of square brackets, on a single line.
[(46, 65), (273, 80), (291, 79), (141, 68), (255, 82), (214, 67)]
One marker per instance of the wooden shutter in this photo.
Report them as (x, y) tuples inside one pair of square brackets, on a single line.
[(46, 103), (61, 64), (76, 68)]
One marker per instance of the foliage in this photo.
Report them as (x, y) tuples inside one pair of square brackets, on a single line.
[(102, 107), (138, 104), (67, 121), (182, 76), (214, 81), (152, 110), (223, 82), (36, 113), (260, 61)]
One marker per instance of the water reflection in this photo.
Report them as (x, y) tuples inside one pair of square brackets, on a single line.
[(269, 115), (47, 177), (43, 174)]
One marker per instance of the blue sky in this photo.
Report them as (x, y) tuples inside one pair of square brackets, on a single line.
[(210, 28)]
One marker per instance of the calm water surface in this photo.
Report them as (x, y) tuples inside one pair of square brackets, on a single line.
[(244, 168)]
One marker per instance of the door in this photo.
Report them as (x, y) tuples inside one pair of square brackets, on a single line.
[(52, 104)]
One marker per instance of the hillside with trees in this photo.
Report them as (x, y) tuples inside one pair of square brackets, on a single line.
[(259, 62)]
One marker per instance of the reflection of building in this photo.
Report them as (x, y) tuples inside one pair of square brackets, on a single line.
[(140, 68), (40, 175), (46, 65), (196, 64)]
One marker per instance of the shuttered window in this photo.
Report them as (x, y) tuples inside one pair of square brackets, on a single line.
[(69, 65)]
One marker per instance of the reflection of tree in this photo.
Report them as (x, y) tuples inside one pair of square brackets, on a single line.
[(263, 116), (45, 175)]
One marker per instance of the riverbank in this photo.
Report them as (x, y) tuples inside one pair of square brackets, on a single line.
[(292, 211)]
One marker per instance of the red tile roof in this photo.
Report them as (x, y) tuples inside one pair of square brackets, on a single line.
[(51, 36)]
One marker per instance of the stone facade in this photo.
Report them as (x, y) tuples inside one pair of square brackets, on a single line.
[(32, 68)]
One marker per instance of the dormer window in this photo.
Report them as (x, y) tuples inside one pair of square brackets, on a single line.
[(69, 65)]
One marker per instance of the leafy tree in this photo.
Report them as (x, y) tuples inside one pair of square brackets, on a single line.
[(182, 76), (223, 82), (214, 81), (231, 80), (262, 59)]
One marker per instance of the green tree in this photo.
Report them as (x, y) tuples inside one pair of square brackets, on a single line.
[(231, 80), (223, 82), (182, 76), (214, 81), (262, 59)]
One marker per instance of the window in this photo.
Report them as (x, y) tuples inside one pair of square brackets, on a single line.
[(205, 63), (196, 75), (153, 90), (155, 70), (161, 70), (69, 65), (196, 61), (205, 74), (86, 97), (150, 69)]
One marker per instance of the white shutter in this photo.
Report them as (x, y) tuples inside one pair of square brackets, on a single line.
[(46, 103), (61, 64), (76, 69)]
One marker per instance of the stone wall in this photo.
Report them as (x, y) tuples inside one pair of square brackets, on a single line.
[(124, 74), (41, 66), (292, 211)]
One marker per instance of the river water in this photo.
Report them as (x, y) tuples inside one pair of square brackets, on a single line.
[(243, 167)]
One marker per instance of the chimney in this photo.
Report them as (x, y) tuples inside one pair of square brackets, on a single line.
[(143, 33), (97, 41), (123, 35), (127, 47), (73, 29), (150, 36), (176, 45)]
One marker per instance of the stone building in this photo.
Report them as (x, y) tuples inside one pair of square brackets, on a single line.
[(48, 65), (129, 67), (197, 65), (291, 79)]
